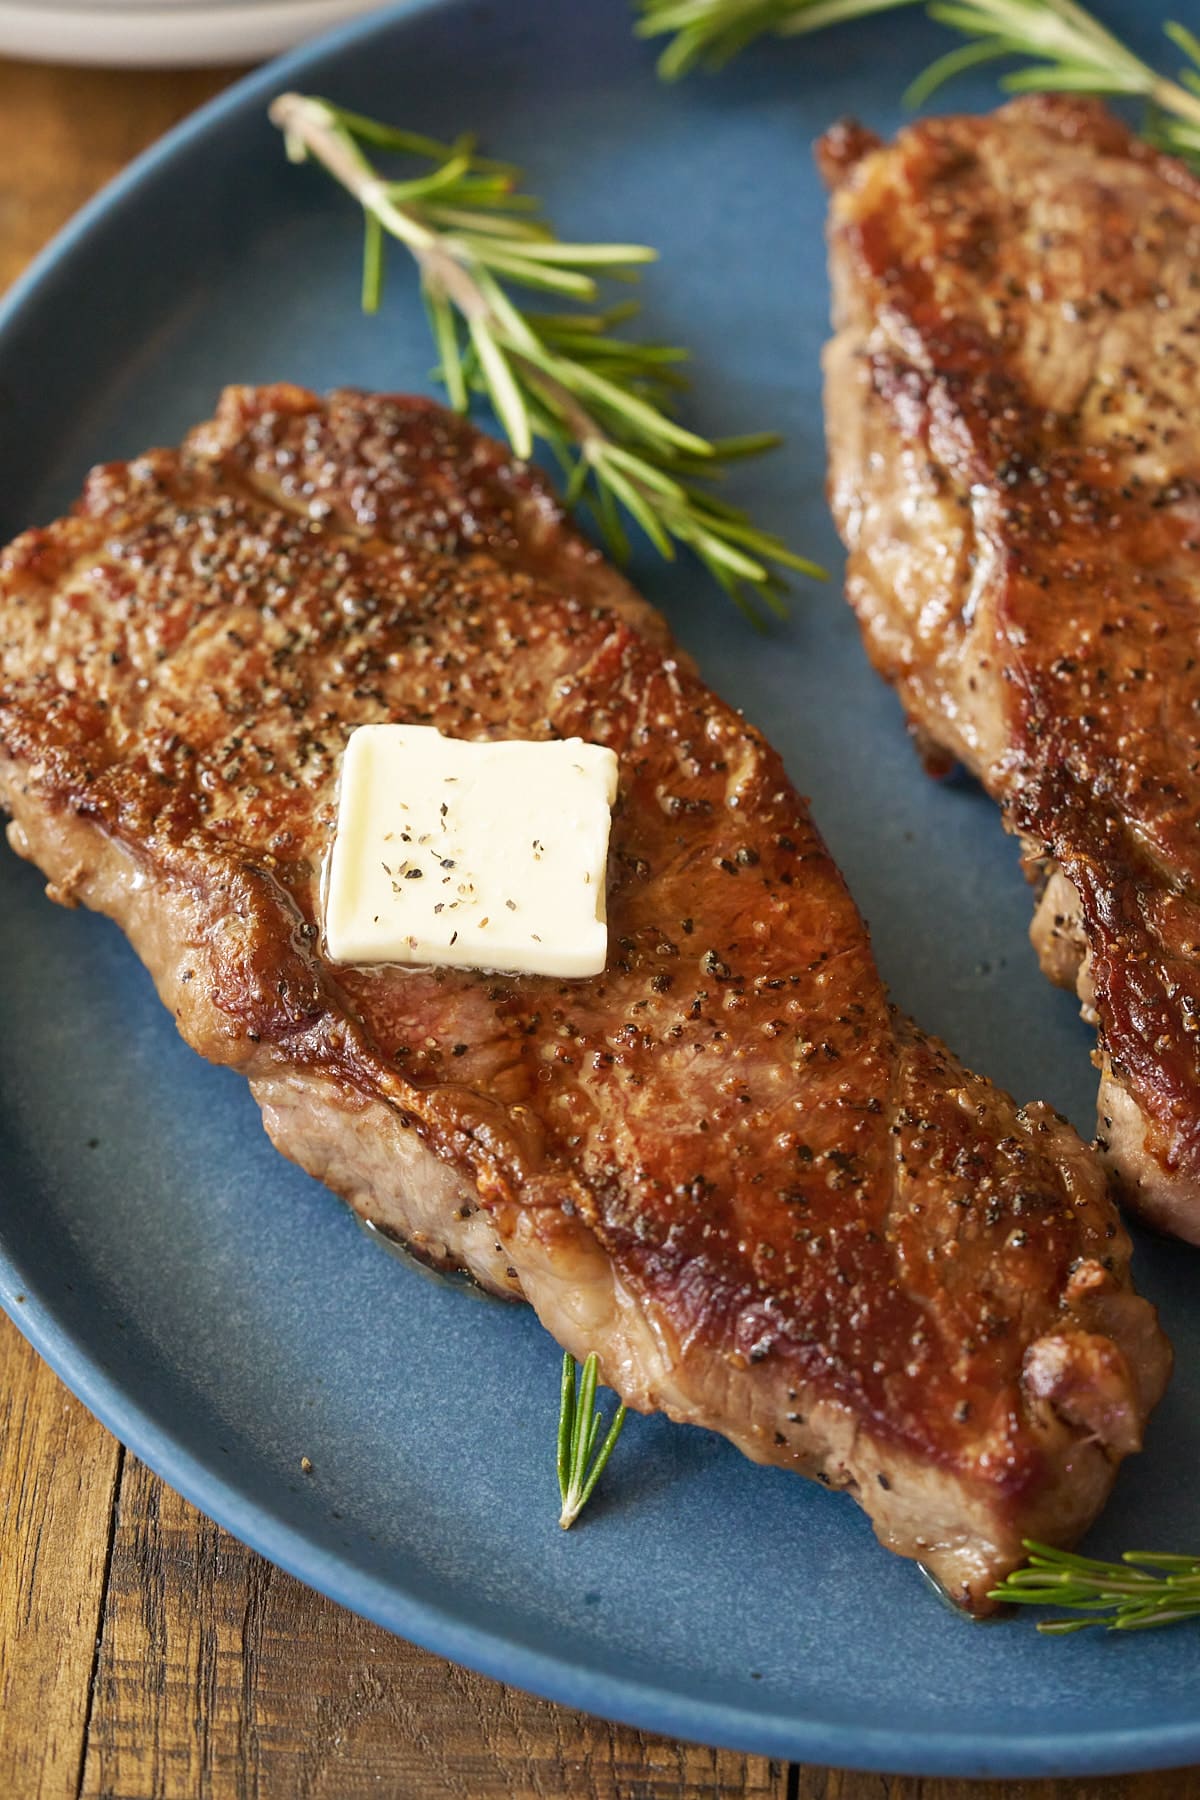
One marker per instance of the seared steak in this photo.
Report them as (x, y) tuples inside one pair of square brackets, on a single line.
[(773, 1207), (1012, 401)]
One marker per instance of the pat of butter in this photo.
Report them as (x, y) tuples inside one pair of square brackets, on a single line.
[(480, 856)]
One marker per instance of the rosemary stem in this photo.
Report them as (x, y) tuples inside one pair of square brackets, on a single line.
[(314, 126), (1160, 90)]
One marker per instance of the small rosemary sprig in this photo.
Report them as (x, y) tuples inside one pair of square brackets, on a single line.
[(602, 401), (1144, 1590), (1071, 50), (713, 31), (578, 1429)]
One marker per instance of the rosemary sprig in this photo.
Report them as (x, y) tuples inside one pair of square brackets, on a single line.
[(1144, 1590), (713, 31), (602, 401), (578, 1429), (1071, 50)]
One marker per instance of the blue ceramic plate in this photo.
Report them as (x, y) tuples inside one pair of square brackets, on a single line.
[(222, 1313)]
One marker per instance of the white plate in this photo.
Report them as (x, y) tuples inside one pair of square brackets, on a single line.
[(165, 33)]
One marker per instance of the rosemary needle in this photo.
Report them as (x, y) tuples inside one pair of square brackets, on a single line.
[(580, 1466), (1070, 49), (602, 401)]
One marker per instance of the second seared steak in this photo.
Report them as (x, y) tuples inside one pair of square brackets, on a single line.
[(770, 1205), (1012, 399)]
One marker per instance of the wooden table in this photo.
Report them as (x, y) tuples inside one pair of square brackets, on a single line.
[(144, 1653)]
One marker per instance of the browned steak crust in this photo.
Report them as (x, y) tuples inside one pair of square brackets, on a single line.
[(772, 1206), (1012, 406)]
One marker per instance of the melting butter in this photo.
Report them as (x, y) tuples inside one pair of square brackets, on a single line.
[(472, 855)]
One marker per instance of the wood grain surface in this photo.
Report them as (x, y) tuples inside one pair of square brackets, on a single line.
[(144, 1653)]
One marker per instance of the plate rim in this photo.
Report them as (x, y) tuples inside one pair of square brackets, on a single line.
[(662, 1710)]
